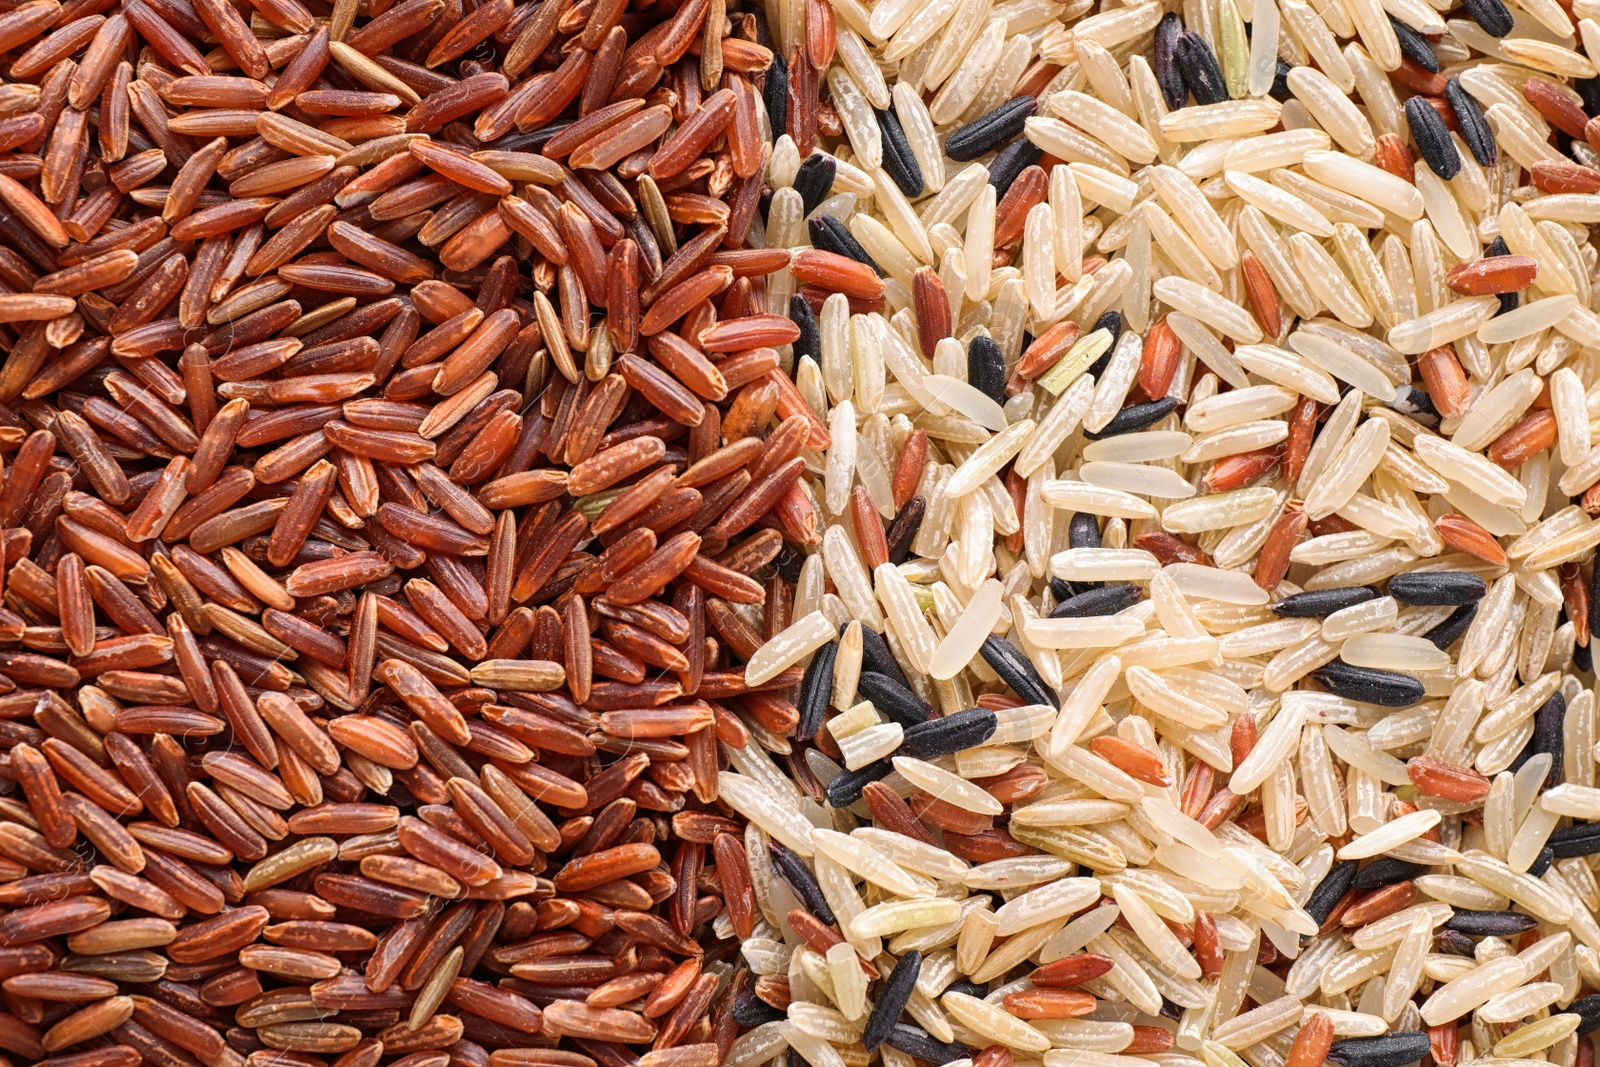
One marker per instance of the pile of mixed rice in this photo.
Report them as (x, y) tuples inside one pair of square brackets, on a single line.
[(1198, 651)]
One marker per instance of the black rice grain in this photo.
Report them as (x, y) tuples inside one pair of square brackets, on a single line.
[(1449, 632), (893, 699), (1542, 862), (1280, 83), (991, 131), (1432, 138), (1165, 64), (814, 180), (875, 656), (1389, 1050), (986, 368), (1107, 600), (1414, 403), (793, 869), (844, 789), (1111, 322), (1437, 588), (1508, 301), (1202, 74), (1589, 1008), (1011, 161), (898, 161), (1386, 870), (829, 234), (892, 1000), (788, 562), (1579, 839), (950, 734), (1492, 16), (1134, 417), (809, 343), (903, 530), (1084, 531), (1334, 885), (1388, 689), (750, 1010), (816, 688), (1415, 47), (1017, 671), (1319, 603), (919, 1044), (1491, 923), (775, 94), (1549, 724), (1589, 90), (1469, 116)]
